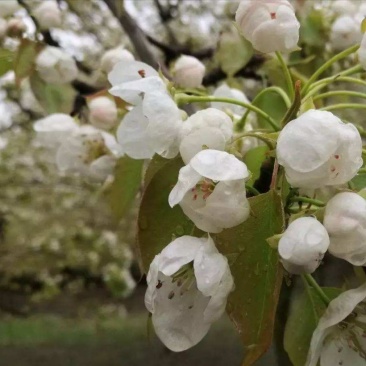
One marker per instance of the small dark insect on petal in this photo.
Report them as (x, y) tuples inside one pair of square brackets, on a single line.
[(159, 285)]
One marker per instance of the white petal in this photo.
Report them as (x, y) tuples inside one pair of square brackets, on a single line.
[(152, 281), (132, 135), (187, 179), (225, 92), (219, 166), (102, 167)]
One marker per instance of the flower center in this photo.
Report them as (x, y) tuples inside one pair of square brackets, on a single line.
[(203, 189), (94, 148)]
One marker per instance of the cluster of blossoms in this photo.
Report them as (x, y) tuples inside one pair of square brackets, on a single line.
[(189, 281)]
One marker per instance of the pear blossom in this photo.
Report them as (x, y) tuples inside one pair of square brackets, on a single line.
[(113, 56), (48, 15), (56, 66), (8, 7), (15, 27), (345, 32), (188, 72), (3, 28), (270, 25), (211, 191), (317, 149), (224, 91), (303, 245), (53, 129), (89, 152), (345, 220), (151, 127), (188, 286), (103, 113), (340, 337), (131, 80), (210, 128), (362, 52)]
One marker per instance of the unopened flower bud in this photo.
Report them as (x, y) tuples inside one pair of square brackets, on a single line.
[(103, 113), (8, 7), (15, 27), (56, 66), (270, 25), (48, 15), (113, 56), (346, 31), (189, 72), (303, 245)]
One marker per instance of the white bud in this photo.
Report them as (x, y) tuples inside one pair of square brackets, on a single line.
[(113, 56), (15, 27), (189, 72), (3, 28), (343, 7), (48, 15), (317, 149), (56, 66), (346, 32), (270, 25), (103, 113), (362, 52), (303, 245), (8, 7), (345, 220)]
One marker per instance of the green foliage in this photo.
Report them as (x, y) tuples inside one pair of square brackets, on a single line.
[(254, 159), (53, 98), (127, 181), (233, 51), (6, 60), (257, 273), (304, 316), (313, 31)]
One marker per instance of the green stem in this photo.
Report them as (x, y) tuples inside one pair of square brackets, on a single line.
[(252, 190), (312, 283), (328, 64), (241, 124), (265, 139), (308, 200), (362, 171), (340, 93), (184, 98), (344, 106), (287, 73)]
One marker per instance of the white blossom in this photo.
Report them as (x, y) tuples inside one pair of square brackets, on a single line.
[(188, 72), (103, 113), (3, 28), (345, 32), (339, 338), (211, 191), (224, 91), (56, 66), (8, 7), (131, 80), (270, 25), (89, 152), (343, 7), (209, 128), (188, 286), (345, 220), (48, 15), (16, 27), (151, 127), (303, 245), (53, 129), (317, 149), (362, 52), (113, 56)]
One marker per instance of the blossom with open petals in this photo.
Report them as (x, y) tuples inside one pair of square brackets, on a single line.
[(209, 128), (339, 338), (211, 191), (270, 25), (303, 245), (317, 149), (188, 286), (345, 220)]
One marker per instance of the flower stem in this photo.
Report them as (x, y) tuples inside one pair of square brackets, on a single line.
[(309, 279), (340, 93), (287, 73), (184, 98), (308, 200), (241, 124), (344, 106), (266, 140), (328, 64)]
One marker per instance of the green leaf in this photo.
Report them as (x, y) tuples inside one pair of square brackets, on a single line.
[(126, 184), (257, 273), (359, 182), (6, 61), (305, 313), (233, 52), (24, 63), (158, 223), (53, 98), (254, 159)]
